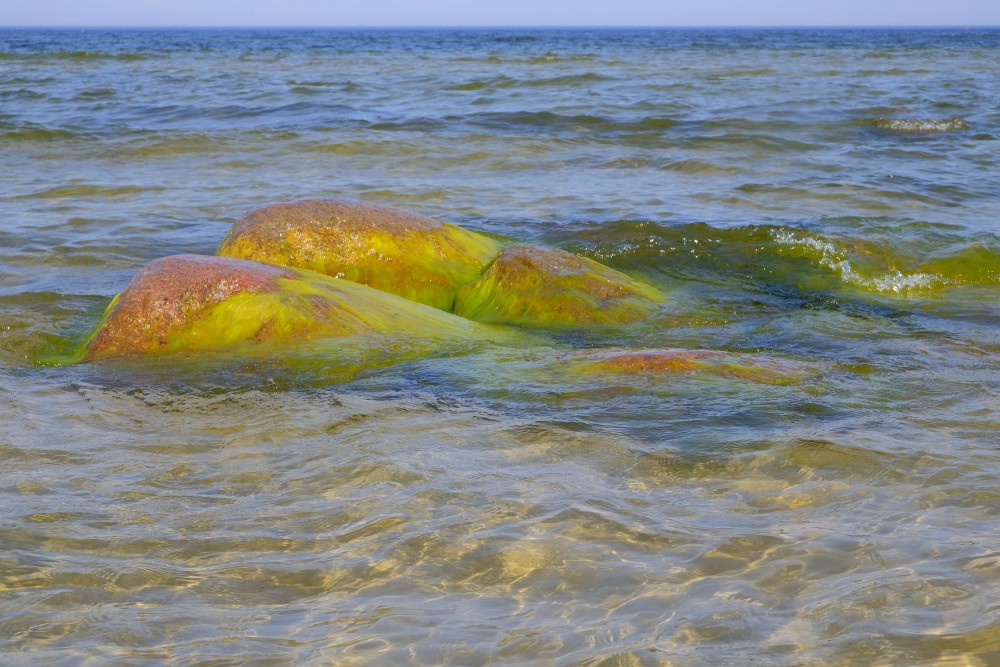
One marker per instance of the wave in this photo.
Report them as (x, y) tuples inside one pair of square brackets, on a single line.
[(151, 145), (28, 132), (95, 95), (495, 83), (241, 117), (694, 166), (538, 119), (77, 190), (906, 268), (564, 81), (72, 56), (124, 142), (920, 125), (540, 59), (22, 94), (534, 122), (910, 263), (324, 87), (758, 141)]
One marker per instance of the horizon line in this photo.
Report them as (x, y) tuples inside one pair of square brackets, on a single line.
[(846, 26)]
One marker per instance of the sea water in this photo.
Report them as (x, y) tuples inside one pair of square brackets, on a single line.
[(826, 199)]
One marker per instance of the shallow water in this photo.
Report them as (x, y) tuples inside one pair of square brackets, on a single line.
[(821, 200)]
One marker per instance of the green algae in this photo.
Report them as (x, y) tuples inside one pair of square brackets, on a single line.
[(194, 304), (552, 288), (910, 259), (416, 257), (977, 264)]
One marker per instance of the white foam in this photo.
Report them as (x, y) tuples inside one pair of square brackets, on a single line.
[(918, 125), (888, 283)]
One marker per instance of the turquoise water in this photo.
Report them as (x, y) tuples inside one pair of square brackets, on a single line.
[(823, 200)]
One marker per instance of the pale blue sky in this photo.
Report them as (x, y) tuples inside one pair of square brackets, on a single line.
[(333, 13)]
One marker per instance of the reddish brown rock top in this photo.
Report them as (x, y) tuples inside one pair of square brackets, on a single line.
[(170, 290), (278, 219), (667, 360), (661, 361)]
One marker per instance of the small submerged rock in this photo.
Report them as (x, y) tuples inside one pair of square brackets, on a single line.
[(193, 302), (665, 361), (416, 257), (553, 288)]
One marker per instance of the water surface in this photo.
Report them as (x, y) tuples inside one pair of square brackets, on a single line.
[(825, 199)]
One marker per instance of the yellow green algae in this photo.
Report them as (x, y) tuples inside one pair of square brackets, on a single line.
[(912, 261), (553, 288), (887, 266), (401, 252), (977, 264), (192, 302)]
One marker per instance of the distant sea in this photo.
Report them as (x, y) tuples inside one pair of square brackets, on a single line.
[(819, 198)]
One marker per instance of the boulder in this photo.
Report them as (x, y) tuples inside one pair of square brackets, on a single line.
[(553, 288), (193, 302), (416, 257)]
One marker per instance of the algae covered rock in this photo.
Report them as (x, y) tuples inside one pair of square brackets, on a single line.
[(553, 288), (417, 257), (192, 302), (658, 362)]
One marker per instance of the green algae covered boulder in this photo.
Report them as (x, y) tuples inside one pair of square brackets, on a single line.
[(553, 288), (193, 302), (416, 257)]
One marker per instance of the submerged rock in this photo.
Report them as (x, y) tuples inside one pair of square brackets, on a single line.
[(666, 361), (553, 288), (192, 302), (416, 257)]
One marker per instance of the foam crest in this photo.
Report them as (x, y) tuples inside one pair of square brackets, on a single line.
[(836, 260), (921, 125)]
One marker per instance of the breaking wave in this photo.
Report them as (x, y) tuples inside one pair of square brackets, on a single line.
[(920, 125), (907, 263)]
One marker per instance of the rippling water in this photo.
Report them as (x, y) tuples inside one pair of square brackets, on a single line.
[(823, 199)]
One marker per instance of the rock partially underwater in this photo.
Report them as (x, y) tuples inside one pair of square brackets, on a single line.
[(231, 308), (229, 304), (193, 302), (660, 362), (553, 288), (416, 257)]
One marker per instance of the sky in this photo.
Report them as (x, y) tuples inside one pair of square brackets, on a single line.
[(541, 13)]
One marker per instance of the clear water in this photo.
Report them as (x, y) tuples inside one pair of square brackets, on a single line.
[(826, 198)]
